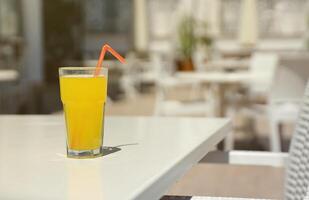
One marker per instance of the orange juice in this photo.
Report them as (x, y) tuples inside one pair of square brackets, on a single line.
[(83, 98)]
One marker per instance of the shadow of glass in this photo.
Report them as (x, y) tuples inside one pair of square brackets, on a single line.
[(110, 150)]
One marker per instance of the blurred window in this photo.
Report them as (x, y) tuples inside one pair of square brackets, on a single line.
[(161, 21), (109, 16), (9, 18), (10, 34), (276, 18), (107, 21)]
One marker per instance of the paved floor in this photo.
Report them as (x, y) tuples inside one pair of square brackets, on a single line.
[(231, 181)]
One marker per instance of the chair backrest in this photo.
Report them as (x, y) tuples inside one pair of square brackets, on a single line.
[(290, 78), (297, 174), (263, 66)]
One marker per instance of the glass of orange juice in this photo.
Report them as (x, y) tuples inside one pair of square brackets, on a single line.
[(83, 96)]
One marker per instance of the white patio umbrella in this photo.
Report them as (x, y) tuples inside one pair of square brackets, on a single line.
[(248, 29), (140, 26)]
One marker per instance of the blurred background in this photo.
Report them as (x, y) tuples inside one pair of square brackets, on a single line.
[(243, 59), (246, 60)]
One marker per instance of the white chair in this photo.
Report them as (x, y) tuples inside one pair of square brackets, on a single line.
[(129, 79), (286, 95), (262, 69), (296, 162)]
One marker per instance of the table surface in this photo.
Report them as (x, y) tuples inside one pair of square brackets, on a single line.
[(156, 152)]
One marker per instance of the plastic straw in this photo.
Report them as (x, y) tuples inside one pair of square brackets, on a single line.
[(105, 48)]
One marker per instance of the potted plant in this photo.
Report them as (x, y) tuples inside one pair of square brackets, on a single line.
[(186, 43)]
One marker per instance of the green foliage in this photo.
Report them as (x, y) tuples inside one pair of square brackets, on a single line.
[(186, 36)]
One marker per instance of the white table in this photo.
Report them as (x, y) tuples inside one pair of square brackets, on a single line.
[(33, 164), (8, 75), (242, 77), (228, 64), (222, 80)]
